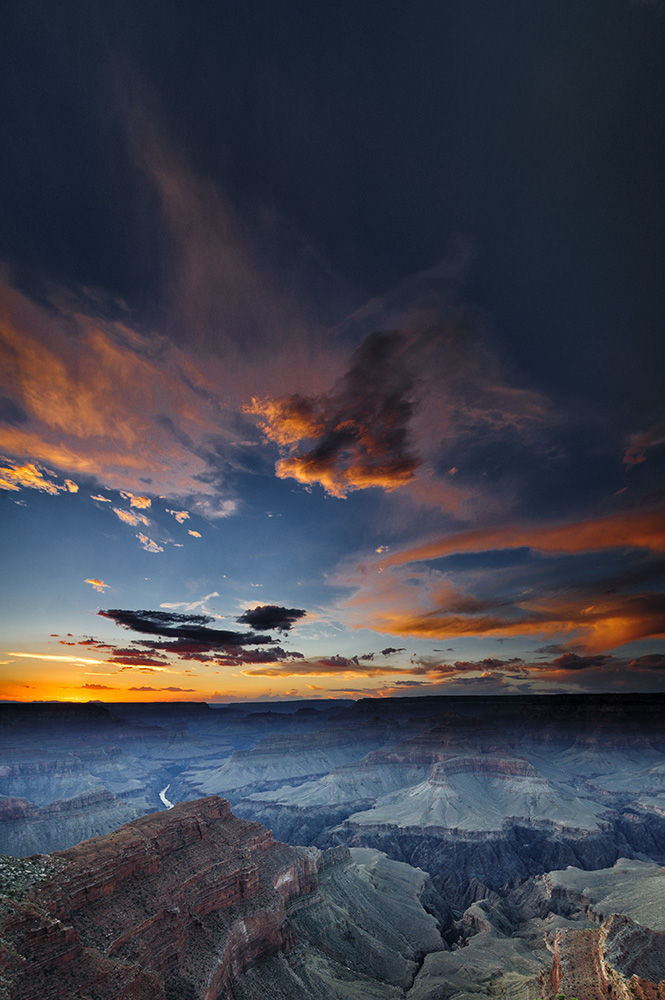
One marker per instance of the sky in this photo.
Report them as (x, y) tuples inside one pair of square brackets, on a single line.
[(332, 348)]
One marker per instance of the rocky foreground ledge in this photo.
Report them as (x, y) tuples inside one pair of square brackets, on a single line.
[(183, 904)]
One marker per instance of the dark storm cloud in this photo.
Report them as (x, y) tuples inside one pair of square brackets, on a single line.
[(271, 616), (190, 629), (389, 650), (356, 436)]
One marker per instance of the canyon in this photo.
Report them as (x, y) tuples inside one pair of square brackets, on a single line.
[(415, 847)]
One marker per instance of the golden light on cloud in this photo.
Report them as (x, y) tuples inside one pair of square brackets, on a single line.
[(195, 534), (129, 517), (98, 585), (180, 515), (90, 390), (59, 658), (636, 529), (135, 501), (15, 477)]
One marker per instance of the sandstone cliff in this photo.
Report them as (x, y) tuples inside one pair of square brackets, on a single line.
[(183, 904)]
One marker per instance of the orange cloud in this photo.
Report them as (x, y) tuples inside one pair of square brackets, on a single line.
[(101, 499), (130, 518), (401, 595), (604, 626), (15, 477), (94, 394), (196, 534), (180, 515), (135, 501), (355, 437), (630, 529), (98, 585), (385, 601)]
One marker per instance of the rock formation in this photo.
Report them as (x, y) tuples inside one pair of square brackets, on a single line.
[(187, 902)]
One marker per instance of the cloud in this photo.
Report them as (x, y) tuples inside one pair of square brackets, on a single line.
[(15, 477), (97, 687), (537, 597), (94, 392), (101, 499), (185, 628), (651, 661), (180, 515), (135, 501), (129, 517), (356, 436), (195, 605), (271, 616), (571, 661), (636, 529), (176, 689), (57, 658), (195, 534), (148, 544), (216, 509), (98, 585), (639, 443), (343, 666), (389, 650)]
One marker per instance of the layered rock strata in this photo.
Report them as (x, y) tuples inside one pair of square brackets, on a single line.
[(623, 956), (182, 904)]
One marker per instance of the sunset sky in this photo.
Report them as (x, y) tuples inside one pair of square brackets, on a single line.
[(332, 348)]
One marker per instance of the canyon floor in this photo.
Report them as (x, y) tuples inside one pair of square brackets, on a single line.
[(428, 848)]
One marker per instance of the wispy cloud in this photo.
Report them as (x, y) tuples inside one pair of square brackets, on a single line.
[(149, 544), (57, 658), (129, 517), (98, 585), (638, 444), (94, 394)]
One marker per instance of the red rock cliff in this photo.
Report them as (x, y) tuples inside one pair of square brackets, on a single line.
[(176, 903)]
